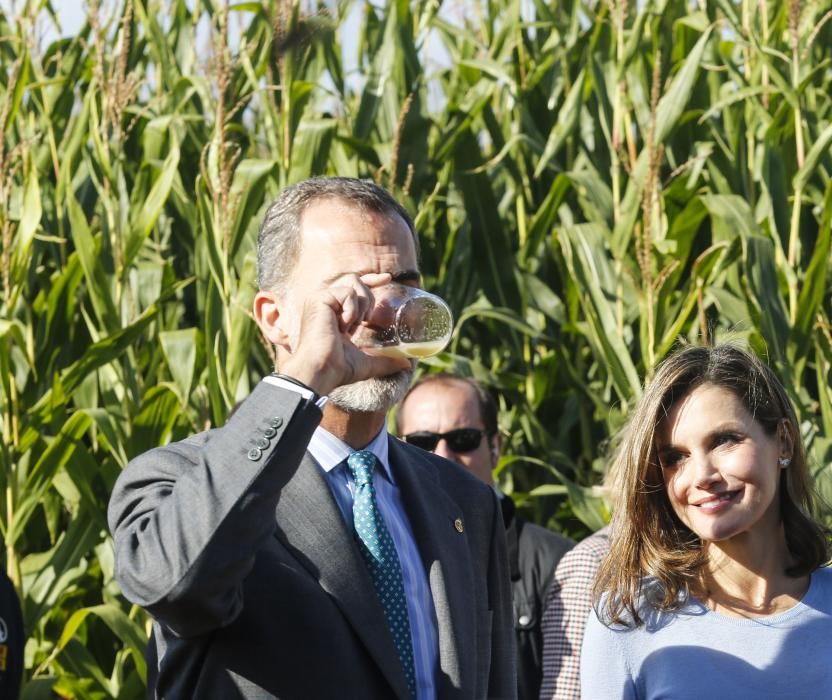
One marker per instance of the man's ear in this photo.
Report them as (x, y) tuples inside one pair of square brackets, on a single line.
[(495, 445), (268, 317)]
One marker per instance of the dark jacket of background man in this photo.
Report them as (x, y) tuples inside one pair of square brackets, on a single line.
[(443, 403), (533, 556)]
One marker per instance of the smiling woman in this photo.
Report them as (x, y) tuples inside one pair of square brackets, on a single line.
[(721, 467), (713, 550)]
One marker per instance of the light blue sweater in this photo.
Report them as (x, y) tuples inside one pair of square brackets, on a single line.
[(696, 653)]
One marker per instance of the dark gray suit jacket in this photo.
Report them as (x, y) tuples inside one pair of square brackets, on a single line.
[(257, 587)]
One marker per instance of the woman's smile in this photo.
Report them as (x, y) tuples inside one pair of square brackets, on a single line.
[(719, 464)]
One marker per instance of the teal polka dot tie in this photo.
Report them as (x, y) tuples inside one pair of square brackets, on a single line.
[(379, 553)]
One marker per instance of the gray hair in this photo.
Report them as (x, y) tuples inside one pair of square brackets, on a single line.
[(279, 241)]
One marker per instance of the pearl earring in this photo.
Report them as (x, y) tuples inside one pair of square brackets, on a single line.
[(784, 462)]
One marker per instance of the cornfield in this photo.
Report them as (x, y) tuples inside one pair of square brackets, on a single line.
[(593, 183)]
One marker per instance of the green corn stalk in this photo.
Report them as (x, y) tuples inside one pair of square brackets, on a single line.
[(592, 183)]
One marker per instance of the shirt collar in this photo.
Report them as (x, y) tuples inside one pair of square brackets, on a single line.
[(330, 451)]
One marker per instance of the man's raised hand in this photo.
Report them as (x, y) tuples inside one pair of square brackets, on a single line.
[(322, 356)]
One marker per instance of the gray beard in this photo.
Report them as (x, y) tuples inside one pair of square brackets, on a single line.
[(375, 395)]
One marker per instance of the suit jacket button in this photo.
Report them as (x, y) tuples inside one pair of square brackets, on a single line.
[(458, 525), (263, 444), (270, 433), (254, 454), (276, 422)]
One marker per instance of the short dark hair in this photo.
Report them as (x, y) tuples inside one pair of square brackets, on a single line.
[(278, 243), (486, 402)]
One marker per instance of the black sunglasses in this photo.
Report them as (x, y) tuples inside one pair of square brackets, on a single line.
[(460, 440)]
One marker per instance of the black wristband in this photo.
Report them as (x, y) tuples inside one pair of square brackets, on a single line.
[(286, 378)]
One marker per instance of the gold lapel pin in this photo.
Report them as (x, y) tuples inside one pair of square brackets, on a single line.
[(458, 525)]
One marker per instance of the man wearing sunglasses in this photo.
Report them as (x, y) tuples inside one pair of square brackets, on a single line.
[(456, 418)]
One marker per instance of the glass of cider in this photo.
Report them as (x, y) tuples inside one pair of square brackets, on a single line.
[(405, 321)]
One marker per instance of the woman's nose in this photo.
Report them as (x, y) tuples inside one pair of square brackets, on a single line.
[(706, 473)]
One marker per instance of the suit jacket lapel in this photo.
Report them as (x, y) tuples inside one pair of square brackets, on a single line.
[(433, 515), (311, 525)]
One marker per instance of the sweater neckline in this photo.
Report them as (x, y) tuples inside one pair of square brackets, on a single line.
[(806, 602)]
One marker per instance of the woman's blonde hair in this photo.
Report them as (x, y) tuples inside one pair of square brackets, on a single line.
[(648, 540)]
